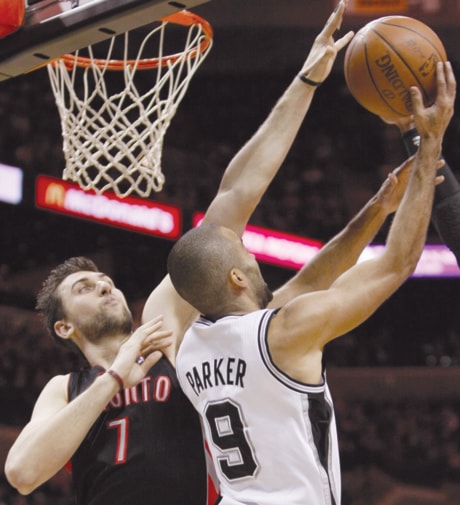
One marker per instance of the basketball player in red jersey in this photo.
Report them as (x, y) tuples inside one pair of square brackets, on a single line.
[(130, 434)]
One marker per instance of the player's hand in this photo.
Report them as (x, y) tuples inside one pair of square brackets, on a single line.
[(322, 55), (432, 121), (392, 190), (147, 343)]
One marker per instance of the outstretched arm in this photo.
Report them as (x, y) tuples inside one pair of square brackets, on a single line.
[(343, 251), (254, 166), (301, 329)]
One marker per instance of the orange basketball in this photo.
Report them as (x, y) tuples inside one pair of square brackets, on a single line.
[(388, 56)]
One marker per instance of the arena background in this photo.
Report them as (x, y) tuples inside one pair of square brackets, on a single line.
[(395, 379)]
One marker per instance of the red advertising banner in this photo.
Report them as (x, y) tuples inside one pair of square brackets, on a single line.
[(132, 213), (277, 248), (291, 251)]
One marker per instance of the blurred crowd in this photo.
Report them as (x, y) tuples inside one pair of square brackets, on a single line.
[(390, 434), (339, 159)]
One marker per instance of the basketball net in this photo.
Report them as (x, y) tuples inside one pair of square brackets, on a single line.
[(113, 133)]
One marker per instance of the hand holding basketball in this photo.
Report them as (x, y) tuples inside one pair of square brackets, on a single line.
[(432, 121), (386, 58)]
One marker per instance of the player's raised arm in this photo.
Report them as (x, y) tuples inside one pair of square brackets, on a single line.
[(255, 165), (343, 251), (304, 326), (252, 169)]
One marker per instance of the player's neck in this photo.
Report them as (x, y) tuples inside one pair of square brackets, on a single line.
[(104, 350)]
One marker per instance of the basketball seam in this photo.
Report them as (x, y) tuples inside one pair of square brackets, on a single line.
[(419, 34), (404, 61), (376, 87)]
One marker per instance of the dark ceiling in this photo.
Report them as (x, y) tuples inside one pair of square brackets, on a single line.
[(260, 34)]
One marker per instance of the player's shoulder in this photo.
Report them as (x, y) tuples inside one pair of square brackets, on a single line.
[(58, 381), (52, 398), (57, 386), (165, 300)]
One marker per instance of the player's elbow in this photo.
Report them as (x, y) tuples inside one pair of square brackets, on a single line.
[(20, 476), (403, 266), (412, 259)]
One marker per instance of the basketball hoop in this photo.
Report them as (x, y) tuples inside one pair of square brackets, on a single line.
[(113, 126)]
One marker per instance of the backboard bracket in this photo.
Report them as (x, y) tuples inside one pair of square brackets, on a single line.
[(54, 28)]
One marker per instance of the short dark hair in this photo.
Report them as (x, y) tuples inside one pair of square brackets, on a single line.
[(49, 303), (198, 266)]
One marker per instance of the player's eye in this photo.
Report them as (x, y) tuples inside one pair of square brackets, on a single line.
[(84, 288)]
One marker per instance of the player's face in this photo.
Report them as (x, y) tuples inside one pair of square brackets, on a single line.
[(94, 305), (261, 290)]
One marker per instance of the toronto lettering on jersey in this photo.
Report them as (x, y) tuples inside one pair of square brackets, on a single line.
[(218, 372), (398, 88), (156, 389)]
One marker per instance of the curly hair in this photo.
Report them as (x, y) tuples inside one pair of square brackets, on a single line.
[(49, 303)]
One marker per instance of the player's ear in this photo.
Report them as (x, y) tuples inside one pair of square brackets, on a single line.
[(63, 329), (237, 278)]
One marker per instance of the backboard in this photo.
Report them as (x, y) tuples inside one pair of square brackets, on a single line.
[(55, 27)]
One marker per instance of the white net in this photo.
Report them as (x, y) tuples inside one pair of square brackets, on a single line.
[(114, 123)]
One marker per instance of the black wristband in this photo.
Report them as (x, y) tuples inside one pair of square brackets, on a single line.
[(308, 81), (411, 140)]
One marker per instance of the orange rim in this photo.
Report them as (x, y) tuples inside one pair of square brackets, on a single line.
[(184, 18)]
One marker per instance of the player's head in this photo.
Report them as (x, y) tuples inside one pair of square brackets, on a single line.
[(211, 269), (71, 293)]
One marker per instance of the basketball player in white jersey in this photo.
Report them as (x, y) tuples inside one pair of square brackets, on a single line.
[(255, 374)]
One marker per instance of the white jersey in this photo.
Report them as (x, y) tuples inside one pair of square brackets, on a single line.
[(273, 440)]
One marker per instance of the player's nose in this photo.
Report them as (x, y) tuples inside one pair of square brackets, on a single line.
[(103, 287)]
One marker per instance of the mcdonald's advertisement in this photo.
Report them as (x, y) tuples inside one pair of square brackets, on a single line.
[(141, 215), (165, 221)]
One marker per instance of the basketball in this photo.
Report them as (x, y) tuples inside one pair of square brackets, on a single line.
[(388, 56)]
